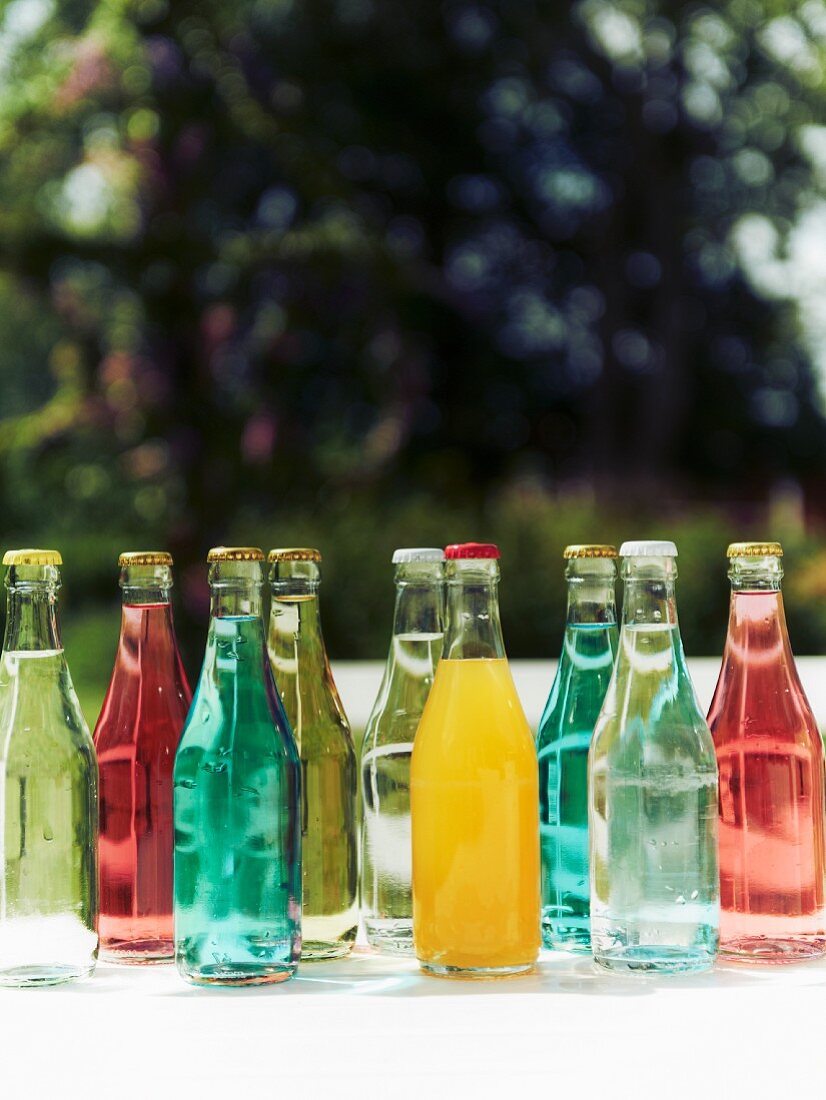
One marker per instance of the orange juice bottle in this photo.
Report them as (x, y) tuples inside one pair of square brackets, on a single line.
[(474, 793)]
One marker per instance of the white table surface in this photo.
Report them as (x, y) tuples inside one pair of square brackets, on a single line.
[(372, 1026)]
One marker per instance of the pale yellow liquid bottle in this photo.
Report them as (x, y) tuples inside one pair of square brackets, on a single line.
[(475, 794), (329, 838)]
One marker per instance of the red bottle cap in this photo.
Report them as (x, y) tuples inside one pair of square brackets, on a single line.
[(471, 550)]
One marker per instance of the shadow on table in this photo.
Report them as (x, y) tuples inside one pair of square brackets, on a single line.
[(368, 975)]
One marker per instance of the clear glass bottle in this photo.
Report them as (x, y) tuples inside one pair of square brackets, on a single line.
[(474, 793), (237, 799), (564, 738), (136, 738), (655, 902), (48, 791), (415, 649), (770, 756), (328, 760)]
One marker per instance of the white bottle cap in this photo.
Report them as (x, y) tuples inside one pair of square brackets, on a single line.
[(648, 549), (417, 553)]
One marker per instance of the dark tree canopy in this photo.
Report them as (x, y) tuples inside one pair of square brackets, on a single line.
[(272, 255)]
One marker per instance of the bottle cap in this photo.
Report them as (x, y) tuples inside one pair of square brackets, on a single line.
[(471, 550), (294, 553), (144, 557), (417, 553), (589, 550), (235, 553), (754, 550), (32, 557), (645, 548)]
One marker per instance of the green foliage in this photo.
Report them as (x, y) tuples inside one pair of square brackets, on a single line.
[(366, 274)]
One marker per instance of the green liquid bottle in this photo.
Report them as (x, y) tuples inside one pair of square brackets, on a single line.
[(415, 649), (237, 800), (48, 791), (563, 741), (328, 762)]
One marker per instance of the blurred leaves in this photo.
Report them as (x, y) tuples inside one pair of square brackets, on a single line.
[(378, 272)]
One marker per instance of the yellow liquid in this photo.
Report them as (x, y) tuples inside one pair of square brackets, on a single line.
[(475, 811)]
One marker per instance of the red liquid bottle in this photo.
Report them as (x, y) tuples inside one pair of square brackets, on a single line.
[(770, 758), (136, 739)]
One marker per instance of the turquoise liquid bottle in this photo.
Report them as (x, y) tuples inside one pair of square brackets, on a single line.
[(563, 741), (652, 790), (237, 800)]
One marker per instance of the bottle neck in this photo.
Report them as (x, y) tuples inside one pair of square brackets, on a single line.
[(295, 626), (145, 585), (32, 622), (650, 592), (235, 590), (419, 599), (591, 592), (474, 629), (757, 631)]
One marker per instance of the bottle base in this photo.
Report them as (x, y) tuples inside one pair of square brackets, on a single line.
[(656, 959), (391, 937), (563, 931), (772, 950), (556, 937), (237, 975), (20, 977), (138, 952), (319, 951), (479, 973)]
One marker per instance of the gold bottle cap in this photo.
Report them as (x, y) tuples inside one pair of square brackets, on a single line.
[(32, 557), (589, 550), (235, 553), (144, 557), (294, 553), (754, 550)]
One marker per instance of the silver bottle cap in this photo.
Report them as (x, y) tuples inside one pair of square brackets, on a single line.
[(417, 553), (648, 549)]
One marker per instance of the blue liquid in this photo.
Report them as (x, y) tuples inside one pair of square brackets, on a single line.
[(563, 742), (237, 820)]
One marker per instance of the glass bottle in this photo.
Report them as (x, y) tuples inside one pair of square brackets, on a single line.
[(325, 745), (136, 737), (652, 789), (237, 799), (48, 791), (474, 793), (770, 757), (564, 738), (418, 632)]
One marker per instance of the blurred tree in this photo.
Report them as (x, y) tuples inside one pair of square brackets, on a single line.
[(278, 255)]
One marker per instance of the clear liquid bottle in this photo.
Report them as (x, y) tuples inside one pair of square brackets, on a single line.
[(474, 793), (48, 791), (770, 757), (136, 738), (652, 790), (415, 649), (328, 760), (237, 801), (564, 738)]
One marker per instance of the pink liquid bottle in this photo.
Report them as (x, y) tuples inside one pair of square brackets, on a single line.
[(770, 758), (136, 738)]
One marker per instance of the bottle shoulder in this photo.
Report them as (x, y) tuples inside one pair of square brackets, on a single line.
[(653, 716), (761, 699)]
